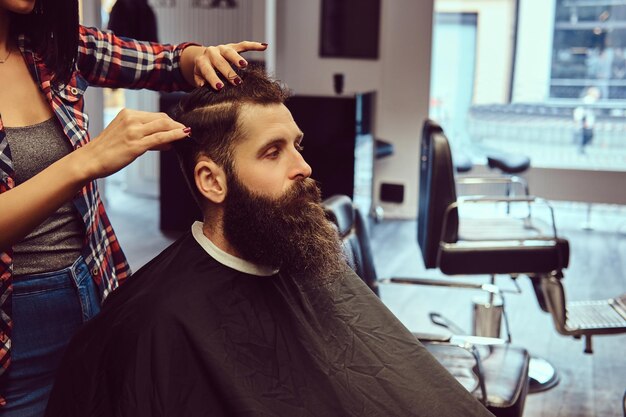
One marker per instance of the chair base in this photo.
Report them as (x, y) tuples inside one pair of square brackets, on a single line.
[(543, 375), (486, 320)]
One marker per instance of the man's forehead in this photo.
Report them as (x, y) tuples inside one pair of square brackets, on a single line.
[(260, 118), (255, 110)]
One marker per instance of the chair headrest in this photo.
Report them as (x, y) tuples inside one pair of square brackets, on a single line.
[(341, 212), (509, 163)]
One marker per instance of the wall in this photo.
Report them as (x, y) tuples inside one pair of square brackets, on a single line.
[(494, 45), (183, 23), (534, 51), (401, 77)]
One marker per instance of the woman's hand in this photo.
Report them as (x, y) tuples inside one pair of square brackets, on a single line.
[(201, 64), (127, 137)]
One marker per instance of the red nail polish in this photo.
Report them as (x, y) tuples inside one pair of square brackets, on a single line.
[(264, 44), (238, 81), (242, 63), (187, 130), (219, 86)]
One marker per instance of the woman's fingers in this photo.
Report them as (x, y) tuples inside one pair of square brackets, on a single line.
[(204, 72), (231, 54), (162, 139), (128, 136), (159, 124), (159, 133), (220, 59), (248, 46), (138, 125), (212, 60)]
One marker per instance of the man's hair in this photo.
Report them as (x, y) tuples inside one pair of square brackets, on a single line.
[(213, 117)]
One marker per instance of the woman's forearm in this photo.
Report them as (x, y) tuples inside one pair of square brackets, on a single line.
[(129, 135)]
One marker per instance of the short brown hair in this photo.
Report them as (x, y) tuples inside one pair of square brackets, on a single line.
[(213, 117)]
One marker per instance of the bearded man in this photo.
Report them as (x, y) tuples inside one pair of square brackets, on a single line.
[(254, 312)]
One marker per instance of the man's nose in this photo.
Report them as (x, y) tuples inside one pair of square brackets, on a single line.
[(300, 168)]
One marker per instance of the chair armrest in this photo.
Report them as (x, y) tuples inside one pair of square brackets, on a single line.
[(489, 180), (432, 337), (491, 199), (477, 340), (499, 244), (486, 199), (490, 288)]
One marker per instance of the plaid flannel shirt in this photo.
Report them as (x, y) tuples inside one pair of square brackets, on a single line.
[(104, 60)]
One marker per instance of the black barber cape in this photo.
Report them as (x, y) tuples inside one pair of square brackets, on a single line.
[(187, 336)]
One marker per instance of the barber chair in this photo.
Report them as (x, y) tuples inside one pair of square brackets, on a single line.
[(496, 373), (508, 245)]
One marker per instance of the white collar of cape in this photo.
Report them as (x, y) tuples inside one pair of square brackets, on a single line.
[(227, 259)]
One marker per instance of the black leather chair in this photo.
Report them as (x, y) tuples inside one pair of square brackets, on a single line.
[(496, 374), (507, 245), (516, 246), (459, 248)]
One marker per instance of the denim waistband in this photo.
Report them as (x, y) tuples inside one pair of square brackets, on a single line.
[(45, 281)]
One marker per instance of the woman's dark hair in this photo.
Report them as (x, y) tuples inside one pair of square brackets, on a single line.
[(52, 28), (213, 118)]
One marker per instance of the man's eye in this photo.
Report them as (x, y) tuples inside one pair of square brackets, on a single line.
[(273, 154)]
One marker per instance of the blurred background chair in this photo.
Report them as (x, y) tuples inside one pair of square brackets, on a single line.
[(504, 244), (495, 372)]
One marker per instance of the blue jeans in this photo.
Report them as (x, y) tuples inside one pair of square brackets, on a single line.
[(48, 309)]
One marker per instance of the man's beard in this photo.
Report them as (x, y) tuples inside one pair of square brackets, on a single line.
[(290, 232)]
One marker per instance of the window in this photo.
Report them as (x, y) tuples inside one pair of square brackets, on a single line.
[(588, 49)]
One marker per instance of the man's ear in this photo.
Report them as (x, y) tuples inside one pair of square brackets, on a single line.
[(210, 180)]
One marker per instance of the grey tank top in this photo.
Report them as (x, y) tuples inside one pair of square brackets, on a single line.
[(57, 242)]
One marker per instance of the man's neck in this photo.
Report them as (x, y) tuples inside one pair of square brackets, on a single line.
[(214, 231), (223, 252)]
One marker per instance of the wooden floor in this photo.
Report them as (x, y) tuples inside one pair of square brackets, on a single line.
[(590, 385)]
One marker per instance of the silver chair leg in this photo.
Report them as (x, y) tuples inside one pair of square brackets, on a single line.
[(486, 321)]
